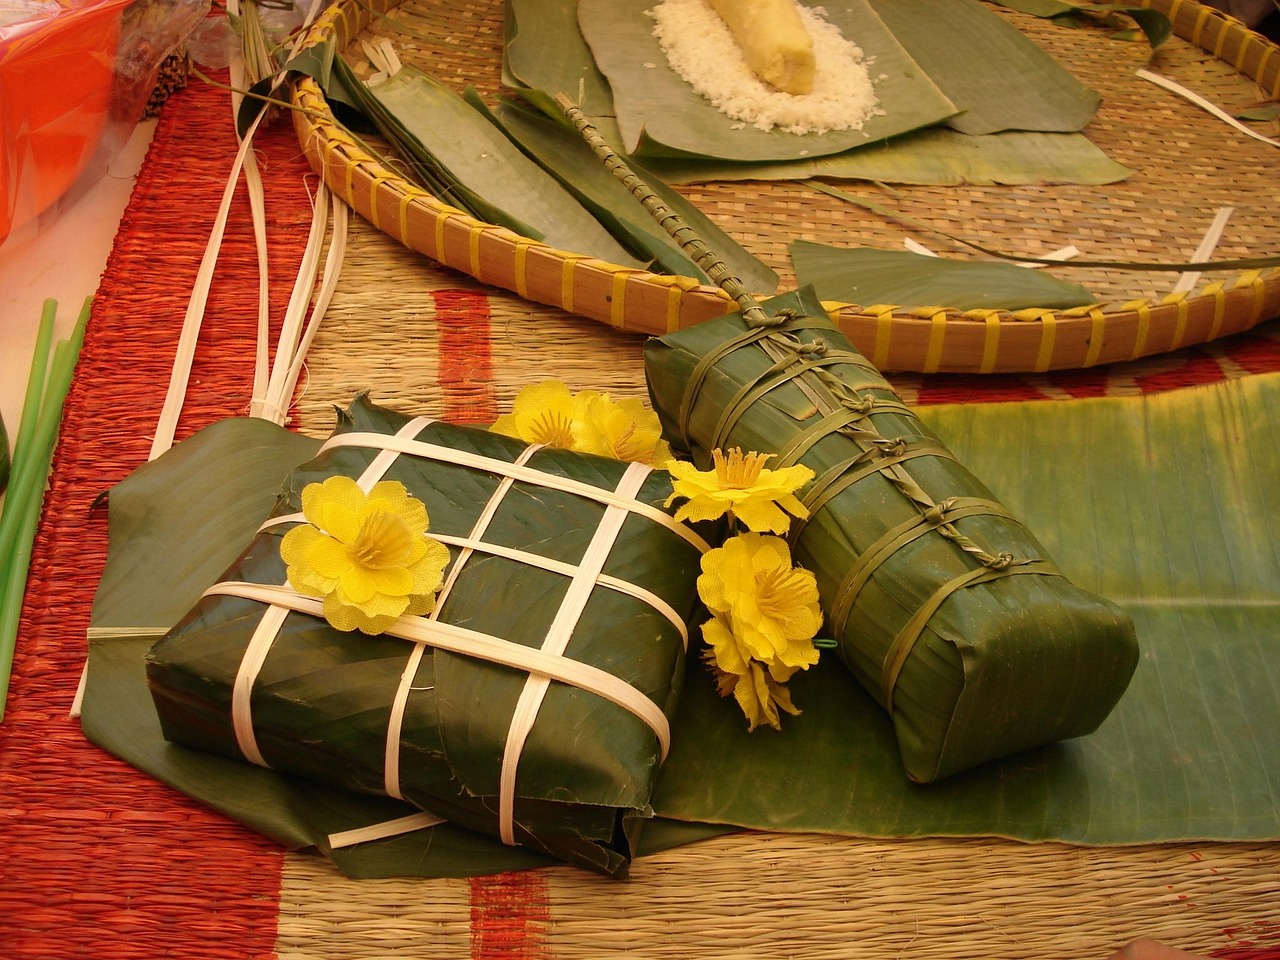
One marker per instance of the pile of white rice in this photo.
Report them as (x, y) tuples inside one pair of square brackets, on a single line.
[(700, 47)]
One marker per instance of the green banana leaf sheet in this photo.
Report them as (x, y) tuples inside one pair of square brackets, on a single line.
[(994, 74), (868, 276), (532, 27), (467, 161), (937, 156), (1155, 25), (659, 114), (567, 156), (1163, 503)]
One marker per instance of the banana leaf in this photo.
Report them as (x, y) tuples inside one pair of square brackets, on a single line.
[(937, 156), (465, 160), (566, 155), (1167, 509), (1154, 24), (942, 603), (994, 74), (659, 114), (867, 276), (322, 698), (4, 456), (531, 28), (1165, 504)]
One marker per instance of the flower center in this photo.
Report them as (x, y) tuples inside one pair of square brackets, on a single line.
[(628, 446), (781, 592), (738, 470), (553, 429), (384, 541)]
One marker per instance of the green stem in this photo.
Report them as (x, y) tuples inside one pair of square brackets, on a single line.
[(35, 381), (31, 472)]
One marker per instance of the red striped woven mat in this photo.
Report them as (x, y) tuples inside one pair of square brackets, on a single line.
[(99, 860)]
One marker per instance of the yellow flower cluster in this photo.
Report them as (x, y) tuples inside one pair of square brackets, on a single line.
[(740, 485), (367, 556), (764, 610), (587, 422)]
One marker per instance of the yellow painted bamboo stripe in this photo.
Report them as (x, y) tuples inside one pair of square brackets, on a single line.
[(1224, 31), (618, 298), (567, 270), (1096, 333), (1143, 309), (1254, 279), (937, 333), (473, 249), (323, 24), (406, 200), (441, 219), (1241, 52), (377, 179), (1268, 52), (674, 297), (884, 332), (349, 27), (341, 165), (349, 189), (1180, 325), (1048, 334), (1202, 17), (522, 273), (1217, 290), (990, 342)]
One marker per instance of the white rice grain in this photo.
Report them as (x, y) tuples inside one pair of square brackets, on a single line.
[(701, 49)]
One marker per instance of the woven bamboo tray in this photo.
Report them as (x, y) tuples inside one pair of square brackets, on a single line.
[(1187, 166)]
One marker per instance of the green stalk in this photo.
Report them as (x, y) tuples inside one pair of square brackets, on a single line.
[(41, 417), (35, 383), (9, 521)]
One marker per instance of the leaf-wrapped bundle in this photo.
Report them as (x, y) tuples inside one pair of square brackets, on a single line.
[(943, 605), (556, 559)]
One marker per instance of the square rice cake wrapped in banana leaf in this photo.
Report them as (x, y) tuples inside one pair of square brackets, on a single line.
[(943, 605), (529, 698)]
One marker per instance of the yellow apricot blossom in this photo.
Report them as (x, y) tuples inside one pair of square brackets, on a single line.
[(542, 413), (770, 606), (586, 422), (622, 429), (758, 690), (739, 484), (367, 556)]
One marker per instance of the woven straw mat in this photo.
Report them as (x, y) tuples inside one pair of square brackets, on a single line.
[(100, 861)]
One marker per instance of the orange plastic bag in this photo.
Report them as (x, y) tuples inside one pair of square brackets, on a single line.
[(66, 104)]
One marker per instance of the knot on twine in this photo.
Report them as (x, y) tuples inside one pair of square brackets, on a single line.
[(781, 318), (815, 347), (1001, 561), (937, 514), (859, 403), (892, 446)]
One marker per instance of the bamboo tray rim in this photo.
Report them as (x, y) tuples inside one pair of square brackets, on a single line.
[(936, 339)]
